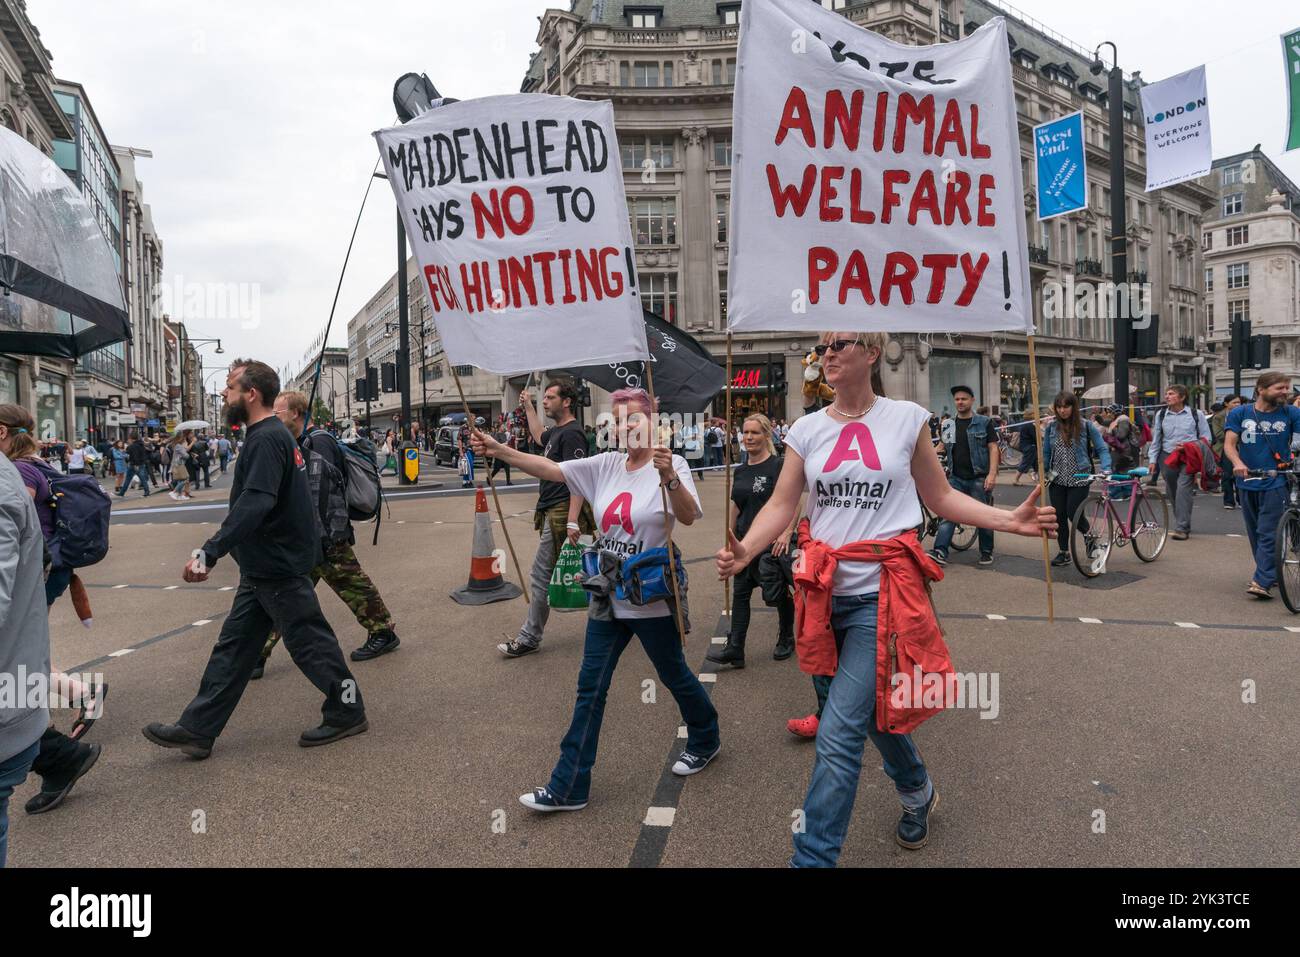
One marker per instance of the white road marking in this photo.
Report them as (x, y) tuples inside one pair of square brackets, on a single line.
[(116, 587), (171, 587), (226, 588), (681, 732), (996, 617), (202, 621), (1293, 629), (119, 654), (1091, 621), (709, 676), (1231, 535), (660, 816), (1186, 624), (720, 639)]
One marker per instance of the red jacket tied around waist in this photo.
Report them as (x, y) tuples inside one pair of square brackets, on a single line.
[(911, 655)]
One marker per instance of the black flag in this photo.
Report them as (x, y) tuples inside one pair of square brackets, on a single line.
[(686, 377)]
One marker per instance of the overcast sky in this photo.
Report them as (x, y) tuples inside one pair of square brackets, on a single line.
[(259, 116)]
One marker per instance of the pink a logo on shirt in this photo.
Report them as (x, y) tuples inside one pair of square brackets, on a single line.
[(618, 513), (854, 444)]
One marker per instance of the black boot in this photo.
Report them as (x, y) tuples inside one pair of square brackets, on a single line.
[(784, 648), (732, 653)]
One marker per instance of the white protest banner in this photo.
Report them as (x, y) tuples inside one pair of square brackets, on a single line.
[(515, 211), (1177, 117), (875, 186)]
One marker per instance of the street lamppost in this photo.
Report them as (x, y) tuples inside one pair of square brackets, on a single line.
[(1121, 321), (186, 342)]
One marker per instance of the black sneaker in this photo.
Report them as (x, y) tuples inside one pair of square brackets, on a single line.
[(914, 826), (938, 556), (784, 648), (53, 791), (328, 734), (986, 560), (728, 654), (514, 648), (174, 736), (693, 763), (1062, 558), (258, 670), (379, 643)]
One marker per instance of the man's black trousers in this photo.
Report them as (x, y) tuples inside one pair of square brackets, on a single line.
[(289, 606)]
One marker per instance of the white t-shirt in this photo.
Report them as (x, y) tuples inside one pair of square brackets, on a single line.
[(629, 511), (859, 479), (77, 460)]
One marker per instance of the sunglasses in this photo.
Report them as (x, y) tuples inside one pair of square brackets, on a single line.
[(839, 345)]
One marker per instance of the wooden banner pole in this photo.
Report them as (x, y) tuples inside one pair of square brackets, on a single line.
[(469, 422), (1042, 471), (663, 495)]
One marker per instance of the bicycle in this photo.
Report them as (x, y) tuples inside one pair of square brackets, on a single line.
[(1287, 547), (1146, 524)]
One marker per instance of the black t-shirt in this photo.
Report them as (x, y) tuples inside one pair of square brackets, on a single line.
[(286, 543), (960, 450), (751, 487), (561, 443)]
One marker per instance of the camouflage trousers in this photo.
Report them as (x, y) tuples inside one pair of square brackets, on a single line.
[(343, 573)]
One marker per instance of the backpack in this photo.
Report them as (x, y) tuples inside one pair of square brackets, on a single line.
[(81, 515), (329, 490), (362, 491), (1211, 472)]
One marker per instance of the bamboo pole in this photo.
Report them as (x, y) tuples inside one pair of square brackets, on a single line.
[(726, 501), (663, 496), (1042, 471), (469, 422)]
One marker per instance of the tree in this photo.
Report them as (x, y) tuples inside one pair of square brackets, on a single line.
[(321, 415)]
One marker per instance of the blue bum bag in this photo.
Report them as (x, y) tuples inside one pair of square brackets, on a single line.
[(639, 580)]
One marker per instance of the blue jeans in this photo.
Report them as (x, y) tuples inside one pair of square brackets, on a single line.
[(142, 471), (1261, 512), (12, 773), (571, 779), (57, 583), (975, 489), (849, 719), (1228, 482)]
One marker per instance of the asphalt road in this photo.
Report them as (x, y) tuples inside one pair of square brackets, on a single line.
[(1136, 715)]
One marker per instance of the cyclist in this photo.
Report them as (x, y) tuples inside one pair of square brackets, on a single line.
[(1258, 436), (1069, 445)]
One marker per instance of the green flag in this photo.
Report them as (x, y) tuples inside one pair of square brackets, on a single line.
[(1291, 55)]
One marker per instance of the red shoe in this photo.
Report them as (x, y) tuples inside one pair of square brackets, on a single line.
[(803, 727)]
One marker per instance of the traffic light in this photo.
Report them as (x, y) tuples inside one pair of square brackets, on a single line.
[(361, 390), (584, 396), (389, 370), (778, 376), (1261, 348), (1239, 351)]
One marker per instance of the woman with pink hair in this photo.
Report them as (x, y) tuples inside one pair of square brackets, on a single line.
[(626, 497)]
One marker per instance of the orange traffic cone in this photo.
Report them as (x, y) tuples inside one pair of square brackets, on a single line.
[(485, 582)]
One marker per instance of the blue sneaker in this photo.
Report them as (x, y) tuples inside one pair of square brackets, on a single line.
[(940, 557), (689, 763), (914, 826), (541, 799)]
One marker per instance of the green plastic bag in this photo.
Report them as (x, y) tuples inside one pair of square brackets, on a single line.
[(565, 594)]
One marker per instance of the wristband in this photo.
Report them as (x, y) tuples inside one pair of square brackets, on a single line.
[(573, 527)]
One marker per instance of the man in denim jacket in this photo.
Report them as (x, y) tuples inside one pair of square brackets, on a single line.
[(973, 459)]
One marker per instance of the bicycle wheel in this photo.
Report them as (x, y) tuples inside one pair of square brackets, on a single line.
[(1288, 559), (1091, 549), (1150, 528), (963, 537), (927, 523)]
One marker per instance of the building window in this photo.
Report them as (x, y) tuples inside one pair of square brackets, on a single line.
[(659, 150), (835, 4), (1238, 310), (654, 220), (722, 297), (659, 295), (1207, 240), (731, 71), (643, 20), (668, 74), (730, 15), (1238, 235), (1231, 175), (948, 370), (1209, 279), (722, 206), (722, 150), (717, 73), (1232, 204), (1209, 316), (645, 74), (9, 381), (462, 370), (1239, 276)]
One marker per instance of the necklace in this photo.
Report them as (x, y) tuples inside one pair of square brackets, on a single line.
[(855, 415)]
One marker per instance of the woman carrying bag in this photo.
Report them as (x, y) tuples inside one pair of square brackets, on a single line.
[(625, 494), (1069, 445)]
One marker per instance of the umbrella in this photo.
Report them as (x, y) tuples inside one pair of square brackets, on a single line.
[(686, 376), (54, 260), (193, 425), (1106, 391)]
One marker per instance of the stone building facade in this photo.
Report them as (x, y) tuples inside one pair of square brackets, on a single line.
[(669, 69), (1251, 248)]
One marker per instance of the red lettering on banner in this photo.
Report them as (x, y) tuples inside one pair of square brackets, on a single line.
[(893, 177), (900, 271), (787, 196), (854, 444), (857, 276), (827, 212), (909, 109), (950, 130), (973, 272), (796, 116), (938, 266), (822, 263), (977, 149), (619, 512), (985, 215), (847, 118)]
